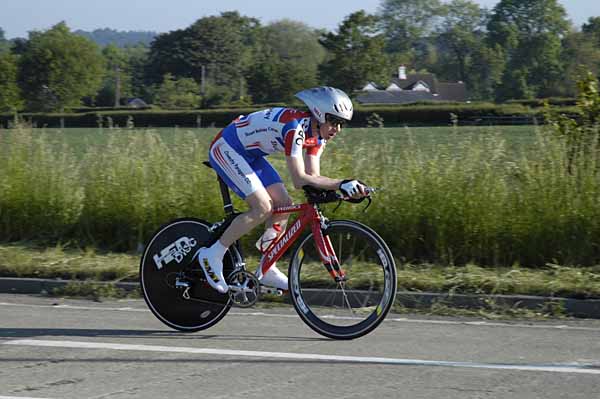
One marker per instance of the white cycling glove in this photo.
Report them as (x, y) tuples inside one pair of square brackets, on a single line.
[(350, 188)]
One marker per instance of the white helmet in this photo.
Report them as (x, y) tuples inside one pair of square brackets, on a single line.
[(324, 100)]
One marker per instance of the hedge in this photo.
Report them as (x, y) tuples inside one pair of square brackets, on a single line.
[(431, 115), (539, 102)]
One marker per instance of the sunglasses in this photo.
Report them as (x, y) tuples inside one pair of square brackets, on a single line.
[(334, 120)]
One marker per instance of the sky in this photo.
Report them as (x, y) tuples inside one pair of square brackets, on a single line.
[(17, 17)]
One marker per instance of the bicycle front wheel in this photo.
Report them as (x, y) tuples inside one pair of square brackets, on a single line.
[(344, 309)]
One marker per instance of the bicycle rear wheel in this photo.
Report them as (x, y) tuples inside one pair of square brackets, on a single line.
[(177, 293), (351, 308)]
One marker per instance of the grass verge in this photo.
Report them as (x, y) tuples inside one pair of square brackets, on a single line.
[(87, 264)]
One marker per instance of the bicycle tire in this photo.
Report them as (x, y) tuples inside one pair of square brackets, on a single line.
[(163, 260), (317, 305)]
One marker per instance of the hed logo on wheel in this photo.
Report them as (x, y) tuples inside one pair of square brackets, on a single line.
[(175, 251)]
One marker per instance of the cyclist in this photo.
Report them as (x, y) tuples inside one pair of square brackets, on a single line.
[(238, 153)]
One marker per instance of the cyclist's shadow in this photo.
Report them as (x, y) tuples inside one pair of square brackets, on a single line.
[(11, 333)]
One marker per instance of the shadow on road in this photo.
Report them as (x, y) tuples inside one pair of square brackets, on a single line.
[(194, 358), (9, 333)]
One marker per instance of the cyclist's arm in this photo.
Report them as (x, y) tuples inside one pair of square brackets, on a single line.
[(304, 173), (300, 177), (312, 161)]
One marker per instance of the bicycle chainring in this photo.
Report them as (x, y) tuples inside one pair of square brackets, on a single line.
[(244, 288)]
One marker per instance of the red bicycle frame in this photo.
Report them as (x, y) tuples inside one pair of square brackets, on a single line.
[(309, 214)]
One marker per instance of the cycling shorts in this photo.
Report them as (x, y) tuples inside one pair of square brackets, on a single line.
[(243, 173)]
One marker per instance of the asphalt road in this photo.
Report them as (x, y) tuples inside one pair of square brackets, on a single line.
[(56, 348)]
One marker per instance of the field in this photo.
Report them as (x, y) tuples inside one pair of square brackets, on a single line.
[(453, 195)]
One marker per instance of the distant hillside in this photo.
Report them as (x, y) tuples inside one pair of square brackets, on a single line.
[(107, 36)]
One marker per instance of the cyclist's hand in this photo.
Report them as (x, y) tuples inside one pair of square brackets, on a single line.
[(353, 189)]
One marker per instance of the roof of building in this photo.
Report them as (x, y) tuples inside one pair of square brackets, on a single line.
[(394, 97), (438, 91), (453, 91), (413, 78)]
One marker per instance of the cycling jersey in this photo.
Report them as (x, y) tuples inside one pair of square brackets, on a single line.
[(237, 152)]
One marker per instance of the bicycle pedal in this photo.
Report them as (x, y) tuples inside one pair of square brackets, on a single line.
[(271, 291)]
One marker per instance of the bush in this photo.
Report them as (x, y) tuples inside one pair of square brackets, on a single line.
[(430, 115), (580, 130), (176, 93), (374, 120), (540, 102)]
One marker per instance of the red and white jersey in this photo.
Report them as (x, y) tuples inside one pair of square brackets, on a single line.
[(273, 130)]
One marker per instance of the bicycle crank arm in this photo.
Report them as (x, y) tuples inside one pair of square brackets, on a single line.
[(270, 291)]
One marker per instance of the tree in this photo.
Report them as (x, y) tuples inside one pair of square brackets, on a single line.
[(485, 71), (286, 61), (4, 44), (177, 93), (137, 59), (592, 29), (530, 33), (106, 36), (216, 49), (58, 68), (460, 32), (124, 76), (19, 45), (10, 95), (580, 55), (117, 79), (407, 22), (356, 53)]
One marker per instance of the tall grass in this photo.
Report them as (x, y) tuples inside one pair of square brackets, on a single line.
[(40, 187), (467, 198), (471, 200), (136, 182)]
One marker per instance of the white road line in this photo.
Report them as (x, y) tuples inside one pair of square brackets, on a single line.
[(18, 397), (556, 368), (279, 315), (75, 307)]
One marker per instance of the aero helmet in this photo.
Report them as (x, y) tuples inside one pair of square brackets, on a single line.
[(324, 100)]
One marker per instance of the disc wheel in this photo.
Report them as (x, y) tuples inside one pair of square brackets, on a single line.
[(176, 292)]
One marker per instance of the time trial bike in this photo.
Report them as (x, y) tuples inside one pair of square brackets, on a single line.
[(342, 275)]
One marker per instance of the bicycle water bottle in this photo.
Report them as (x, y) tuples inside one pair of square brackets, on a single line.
[(268, 237)]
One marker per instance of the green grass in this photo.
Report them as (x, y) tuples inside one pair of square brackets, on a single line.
[(29, 260), (94, 291), (496, 196), (40, 261), (552, 280)]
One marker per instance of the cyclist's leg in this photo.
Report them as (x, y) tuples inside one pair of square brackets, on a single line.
[(240, 175), (279, 197), (237, 173), (276, 189), (260, 209)]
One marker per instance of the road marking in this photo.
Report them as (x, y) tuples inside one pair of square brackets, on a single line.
[(390, 318), (18, 397), (556, 368), (75, 307)]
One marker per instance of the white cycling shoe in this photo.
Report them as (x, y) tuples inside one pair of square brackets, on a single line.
[(212, 267), (275, 278)]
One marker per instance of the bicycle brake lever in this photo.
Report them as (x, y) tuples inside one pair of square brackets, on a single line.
[(338, 205), (369, 203)]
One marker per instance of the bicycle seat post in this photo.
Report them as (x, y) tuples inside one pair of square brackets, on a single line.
[(230, 213), (227, 204)]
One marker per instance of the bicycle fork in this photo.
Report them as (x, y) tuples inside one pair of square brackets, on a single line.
[(327, 254)]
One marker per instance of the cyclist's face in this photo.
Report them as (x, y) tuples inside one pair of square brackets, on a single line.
[(329, 130)]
